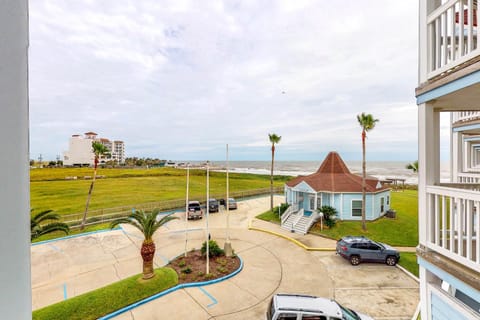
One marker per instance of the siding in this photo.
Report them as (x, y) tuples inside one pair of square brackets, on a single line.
[(441, 310)]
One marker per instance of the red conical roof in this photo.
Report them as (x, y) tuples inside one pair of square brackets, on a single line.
[(334, 176)]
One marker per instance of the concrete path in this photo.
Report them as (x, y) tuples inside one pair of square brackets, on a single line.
[(271, 264)]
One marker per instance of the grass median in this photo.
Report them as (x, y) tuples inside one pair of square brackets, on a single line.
[(100, 302)]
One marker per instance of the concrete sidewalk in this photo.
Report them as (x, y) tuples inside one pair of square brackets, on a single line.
[(66, 268)]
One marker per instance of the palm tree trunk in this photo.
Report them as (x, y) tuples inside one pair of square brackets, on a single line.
[(84, 219), (148, 251), (364, 177), (271, 178)]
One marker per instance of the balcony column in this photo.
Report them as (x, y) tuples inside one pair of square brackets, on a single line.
[(428, 174), (15, 287), (428, 161), (456, 156)]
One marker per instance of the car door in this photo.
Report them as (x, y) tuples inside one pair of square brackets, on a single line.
[(375, 252)]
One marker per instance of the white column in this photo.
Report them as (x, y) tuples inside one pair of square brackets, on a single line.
[(15, 288), (456, 156), (428, 161)]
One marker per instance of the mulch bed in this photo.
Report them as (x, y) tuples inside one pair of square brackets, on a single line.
[(193, 267)]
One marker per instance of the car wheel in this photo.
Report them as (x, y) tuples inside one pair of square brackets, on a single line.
[(391, 261), (355, 260)]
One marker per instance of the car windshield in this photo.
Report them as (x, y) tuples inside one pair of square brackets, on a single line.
[(348, 314)]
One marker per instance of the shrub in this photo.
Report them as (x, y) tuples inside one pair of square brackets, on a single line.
[(329, 215), (222, 261), (213, 249), (222, 269), (186, 270), (182, 263)]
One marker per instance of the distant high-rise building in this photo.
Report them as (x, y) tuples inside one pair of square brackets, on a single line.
[(80, 152)]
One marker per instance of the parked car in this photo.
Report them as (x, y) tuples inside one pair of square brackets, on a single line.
[(194, 210), (298, 307), (232, 204), (359, 249), (212, 205)]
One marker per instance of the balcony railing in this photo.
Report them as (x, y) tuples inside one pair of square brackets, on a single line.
[(454, 224), (466, 116), (452, 35), (468, 178)]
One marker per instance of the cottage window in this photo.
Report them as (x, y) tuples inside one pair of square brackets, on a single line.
[(382, 204), (388, 200), (356, 208)]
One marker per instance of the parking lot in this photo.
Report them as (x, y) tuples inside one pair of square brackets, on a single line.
[(65, 268)]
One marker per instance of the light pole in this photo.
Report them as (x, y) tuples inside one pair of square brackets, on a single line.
[(228, 246), (186, 209), (208, 231)]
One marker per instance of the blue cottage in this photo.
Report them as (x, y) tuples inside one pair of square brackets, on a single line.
[(334, 185)]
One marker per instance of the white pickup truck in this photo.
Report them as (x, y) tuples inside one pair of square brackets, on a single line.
[(194, 210)]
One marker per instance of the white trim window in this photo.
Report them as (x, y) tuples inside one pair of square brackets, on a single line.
[(382, 204), (319, 201), (357, 208)]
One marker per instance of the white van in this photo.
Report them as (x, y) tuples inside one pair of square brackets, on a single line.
[(305, 307)]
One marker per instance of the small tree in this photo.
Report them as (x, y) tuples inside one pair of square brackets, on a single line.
[(274, 139), (329, 215), (98, 150), (412, 166), (213, 249), (38, 226), (148, 224), (367, 122)]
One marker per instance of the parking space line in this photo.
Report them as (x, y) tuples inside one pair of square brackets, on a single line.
[(65, 297), (214, 301)]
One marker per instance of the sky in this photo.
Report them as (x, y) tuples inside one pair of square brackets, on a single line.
[(181, 79)]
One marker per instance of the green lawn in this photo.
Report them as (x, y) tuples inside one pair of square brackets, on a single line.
[(408, 260), (103, 301), (75, 231), (402, 231), (129, 187)]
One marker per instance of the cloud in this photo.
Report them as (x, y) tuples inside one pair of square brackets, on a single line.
[(180, 79)]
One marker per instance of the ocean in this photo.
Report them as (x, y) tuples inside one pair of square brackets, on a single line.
[(379, 169)]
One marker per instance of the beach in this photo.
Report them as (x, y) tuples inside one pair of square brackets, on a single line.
[(382, 170)]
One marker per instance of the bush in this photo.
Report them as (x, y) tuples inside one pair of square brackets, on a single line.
[(329, 215), (186, 270), (213, 249)]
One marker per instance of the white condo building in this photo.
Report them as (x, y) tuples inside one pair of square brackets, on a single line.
[(80, 151), (449, 225)]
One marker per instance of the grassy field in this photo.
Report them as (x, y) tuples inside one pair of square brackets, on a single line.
[(402, 231), (123, 187), (103, 301)]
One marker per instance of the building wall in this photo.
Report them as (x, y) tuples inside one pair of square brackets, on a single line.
[(15, 287), (79, 152)]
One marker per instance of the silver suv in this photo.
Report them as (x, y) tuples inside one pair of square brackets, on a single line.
[(305, 307), (358, 249)]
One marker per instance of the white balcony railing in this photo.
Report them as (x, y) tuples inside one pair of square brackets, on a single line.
[(468, 178), (454, 224), (452, 35), (465, 116)]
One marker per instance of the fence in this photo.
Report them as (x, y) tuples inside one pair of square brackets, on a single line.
[(109, 214)]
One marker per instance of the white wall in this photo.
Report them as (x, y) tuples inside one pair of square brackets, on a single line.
[(15, 288)]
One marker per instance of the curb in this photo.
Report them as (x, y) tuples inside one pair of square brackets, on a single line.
[(295, 241), (75, 236), (177, 287)]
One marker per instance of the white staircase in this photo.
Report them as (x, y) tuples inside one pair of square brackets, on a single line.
[(297, 222)]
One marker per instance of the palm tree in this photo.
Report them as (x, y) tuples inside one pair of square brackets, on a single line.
[(367, 122), (38, 228), (147, 223), (413, 166), (98, 150), (274, 139)]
